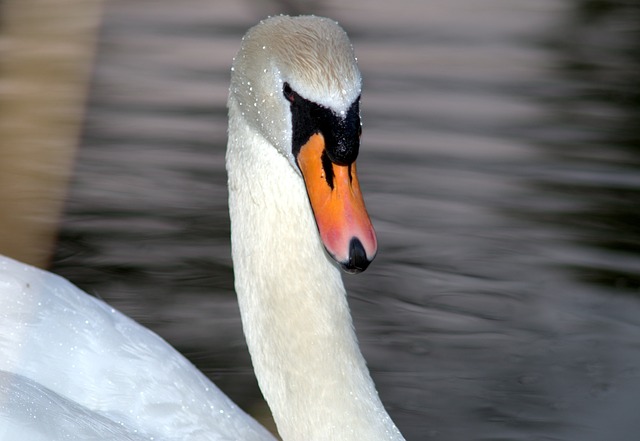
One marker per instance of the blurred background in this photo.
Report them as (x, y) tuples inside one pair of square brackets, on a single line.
[(500, 163)]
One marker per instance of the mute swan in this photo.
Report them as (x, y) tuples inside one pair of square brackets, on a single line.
[(71, 367)]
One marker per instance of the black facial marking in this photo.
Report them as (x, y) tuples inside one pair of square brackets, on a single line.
[(288, 92), (328, 169), (341, 133), (346, 135)]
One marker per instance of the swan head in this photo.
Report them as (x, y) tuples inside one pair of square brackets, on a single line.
[(295, 81)]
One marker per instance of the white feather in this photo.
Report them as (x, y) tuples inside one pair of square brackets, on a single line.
[(71, 367), (292, 300)]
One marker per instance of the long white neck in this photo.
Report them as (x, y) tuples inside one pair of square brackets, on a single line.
[(293, 305)]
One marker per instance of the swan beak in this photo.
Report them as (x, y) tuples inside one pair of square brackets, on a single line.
[(334, 192)]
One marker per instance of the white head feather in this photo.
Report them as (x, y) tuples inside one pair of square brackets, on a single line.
[(314, 56)]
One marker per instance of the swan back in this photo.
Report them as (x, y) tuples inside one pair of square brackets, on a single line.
[(72, 367)]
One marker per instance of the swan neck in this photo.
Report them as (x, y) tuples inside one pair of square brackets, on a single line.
[(293, 304)]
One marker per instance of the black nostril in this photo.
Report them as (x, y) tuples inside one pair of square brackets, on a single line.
[(358, 261)]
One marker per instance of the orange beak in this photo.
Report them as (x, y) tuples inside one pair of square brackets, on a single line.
[(337, 203)]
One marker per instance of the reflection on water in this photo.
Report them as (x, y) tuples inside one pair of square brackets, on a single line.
[(500, 165), (601, 61)]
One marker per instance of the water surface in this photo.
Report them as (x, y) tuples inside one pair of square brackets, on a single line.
[(500, 164)]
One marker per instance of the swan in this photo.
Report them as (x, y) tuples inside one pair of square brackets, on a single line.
[(72, 367)]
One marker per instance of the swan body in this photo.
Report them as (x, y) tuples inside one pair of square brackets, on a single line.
[(71, 367)]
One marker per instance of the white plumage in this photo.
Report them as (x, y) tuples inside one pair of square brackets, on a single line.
[(71, 367)]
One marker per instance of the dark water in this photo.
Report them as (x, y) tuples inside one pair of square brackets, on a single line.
[(501, 166)]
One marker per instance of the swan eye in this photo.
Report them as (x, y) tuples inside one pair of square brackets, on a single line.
[(288, 92)]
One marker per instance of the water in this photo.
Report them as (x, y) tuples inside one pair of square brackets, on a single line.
[(500, 164)]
